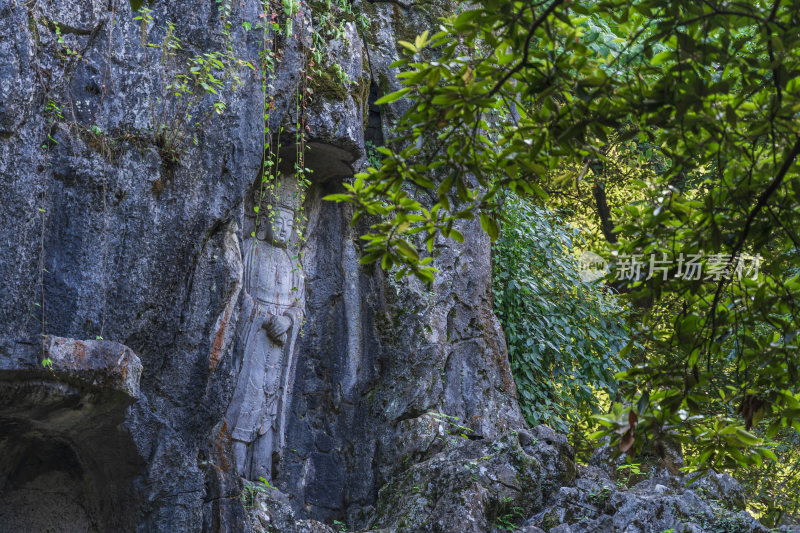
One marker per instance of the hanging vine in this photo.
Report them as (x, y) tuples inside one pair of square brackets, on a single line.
[(269, 56), (106, 153), (302, 97), (53, 113), (183, 85)]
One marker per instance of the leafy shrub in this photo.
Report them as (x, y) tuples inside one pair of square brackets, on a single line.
[(176, 112), (564, 334)]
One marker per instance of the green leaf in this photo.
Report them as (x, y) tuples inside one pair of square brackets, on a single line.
[(338, 197), (407, 250), (407, 45), (393, 97), (769, 454), (661, 57), (747, 437), (490, 226)]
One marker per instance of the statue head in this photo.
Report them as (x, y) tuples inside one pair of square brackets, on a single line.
[(279, 226), (278, 205)]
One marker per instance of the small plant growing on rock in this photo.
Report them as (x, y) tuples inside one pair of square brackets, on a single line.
[(251, 491), (64, 51), (373, 156), (451, 422), (629, 469), (508, 517), (549, 522), (601, 496), (183, 85), (472, 466), (721, 521)]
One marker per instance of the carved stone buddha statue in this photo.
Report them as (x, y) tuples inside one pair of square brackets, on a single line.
[(271, 316)]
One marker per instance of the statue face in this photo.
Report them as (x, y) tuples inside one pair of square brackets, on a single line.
[(279, 230)]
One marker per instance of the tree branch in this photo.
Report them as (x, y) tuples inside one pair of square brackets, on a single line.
[(523, 62)]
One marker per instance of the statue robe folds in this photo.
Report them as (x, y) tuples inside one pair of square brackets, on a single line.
[(273, 298)]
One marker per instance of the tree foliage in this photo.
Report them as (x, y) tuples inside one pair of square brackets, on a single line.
[(532, 97)]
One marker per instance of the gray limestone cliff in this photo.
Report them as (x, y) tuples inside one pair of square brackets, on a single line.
[(398, 409)]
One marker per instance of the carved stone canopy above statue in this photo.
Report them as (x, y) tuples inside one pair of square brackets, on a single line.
[(326, 161)]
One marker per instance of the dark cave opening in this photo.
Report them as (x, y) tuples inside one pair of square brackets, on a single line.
[(43, 486), (66, 463)]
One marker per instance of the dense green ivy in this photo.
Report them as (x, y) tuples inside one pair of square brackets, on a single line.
[(564, 333)]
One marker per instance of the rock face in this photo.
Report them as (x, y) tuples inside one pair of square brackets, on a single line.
[(654, 505), (477, 486), (110, 232), (398, 410)]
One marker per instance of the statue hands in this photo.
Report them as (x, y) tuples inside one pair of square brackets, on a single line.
[(276, 327)]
